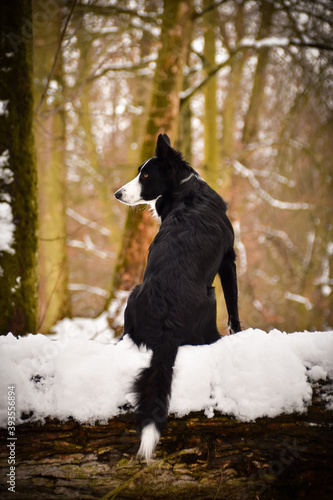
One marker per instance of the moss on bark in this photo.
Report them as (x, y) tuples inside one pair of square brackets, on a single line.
[(18, 282)]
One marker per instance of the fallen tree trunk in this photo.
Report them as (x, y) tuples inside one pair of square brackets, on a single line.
[(287, 457)]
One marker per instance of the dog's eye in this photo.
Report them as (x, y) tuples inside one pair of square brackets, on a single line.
[(145, 175)]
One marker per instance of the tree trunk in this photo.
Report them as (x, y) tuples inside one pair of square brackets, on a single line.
[(211, 152), (163, 117), (228, 142), (54, 303), (287, 457), (231, 102), (18, 175), (252, 119), (184, 139), (185, 132)]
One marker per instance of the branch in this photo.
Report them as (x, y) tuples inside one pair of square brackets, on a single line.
[(283, 205), (188, 94), (110, 10), (249, 43), (208, 9), (87, 222), (89, 246), (81, 287), (126, 67), (273, 41), (313, 45)]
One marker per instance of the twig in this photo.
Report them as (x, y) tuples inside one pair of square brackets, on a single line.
[(113, 494)]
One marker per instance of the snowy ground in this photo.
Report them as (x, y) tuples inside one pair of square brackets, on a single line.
[(84, 373)]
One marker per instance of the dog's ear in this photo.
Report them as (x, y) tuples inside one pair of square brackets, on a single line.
[(176, 167), (163, 147), (166, 138)]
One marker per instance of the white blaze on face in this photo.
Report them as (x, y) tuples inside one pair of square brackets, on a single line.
[(130, 194)]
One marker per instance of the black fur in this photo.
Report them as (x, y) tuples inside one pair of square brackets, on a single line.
[(175, 304)]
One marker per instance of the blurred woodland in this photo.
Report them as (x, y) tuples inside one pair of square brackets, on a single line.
[(243, 88)]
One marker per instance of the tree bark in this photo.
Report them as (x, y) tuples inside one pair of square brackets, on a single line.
[(231, 101), (211, 153), (287, 457), (163, 117), (18, 174), (252, 119), (54, 303)]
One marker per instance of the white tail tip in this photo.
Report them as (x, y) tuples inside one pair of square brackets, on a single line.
[(150, 436)]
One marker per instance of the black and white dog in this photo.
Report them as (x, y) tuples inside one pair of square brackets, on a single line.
[(175, 304)]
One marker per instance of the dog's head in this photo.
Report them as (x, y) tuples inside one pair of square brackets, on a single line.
[(156, 176)]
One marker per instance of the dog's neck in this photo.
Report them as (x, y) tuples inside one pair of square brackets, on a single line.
[(153, 211), (163, 205)]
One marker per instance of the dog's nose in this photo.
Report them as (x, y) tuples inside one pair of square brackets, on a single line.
[(118, 194)]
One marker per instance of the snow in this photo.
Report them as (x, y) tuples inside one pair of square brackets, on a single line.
[(83, 328), (5, 174), (3, 107), (270, 41), (84, 373), (86, 222), (90, 246), (7, 228), (324, 280), (82, 287), (300, 299), (241, 250)]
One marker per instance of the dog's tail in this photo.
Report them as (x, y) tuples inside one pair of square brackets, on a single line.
[(153, 390)]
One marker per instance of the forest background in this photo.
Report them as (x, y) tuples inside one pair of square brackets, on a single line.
[(243, 88)]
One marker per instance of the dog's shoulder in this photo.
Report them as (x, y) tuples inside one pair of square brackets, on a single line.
[(197, 194)]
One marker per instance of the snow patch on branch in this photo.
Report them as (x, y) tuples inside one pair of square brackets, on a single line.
[(88, 245), (271, 280), (269, 232), (283, 205), (274, 176), (270, 41), (86, 222), (300, 299), (81, 287)]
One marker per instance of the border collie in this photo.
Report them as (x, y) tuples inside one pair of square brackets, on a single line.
[(175, 304)]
